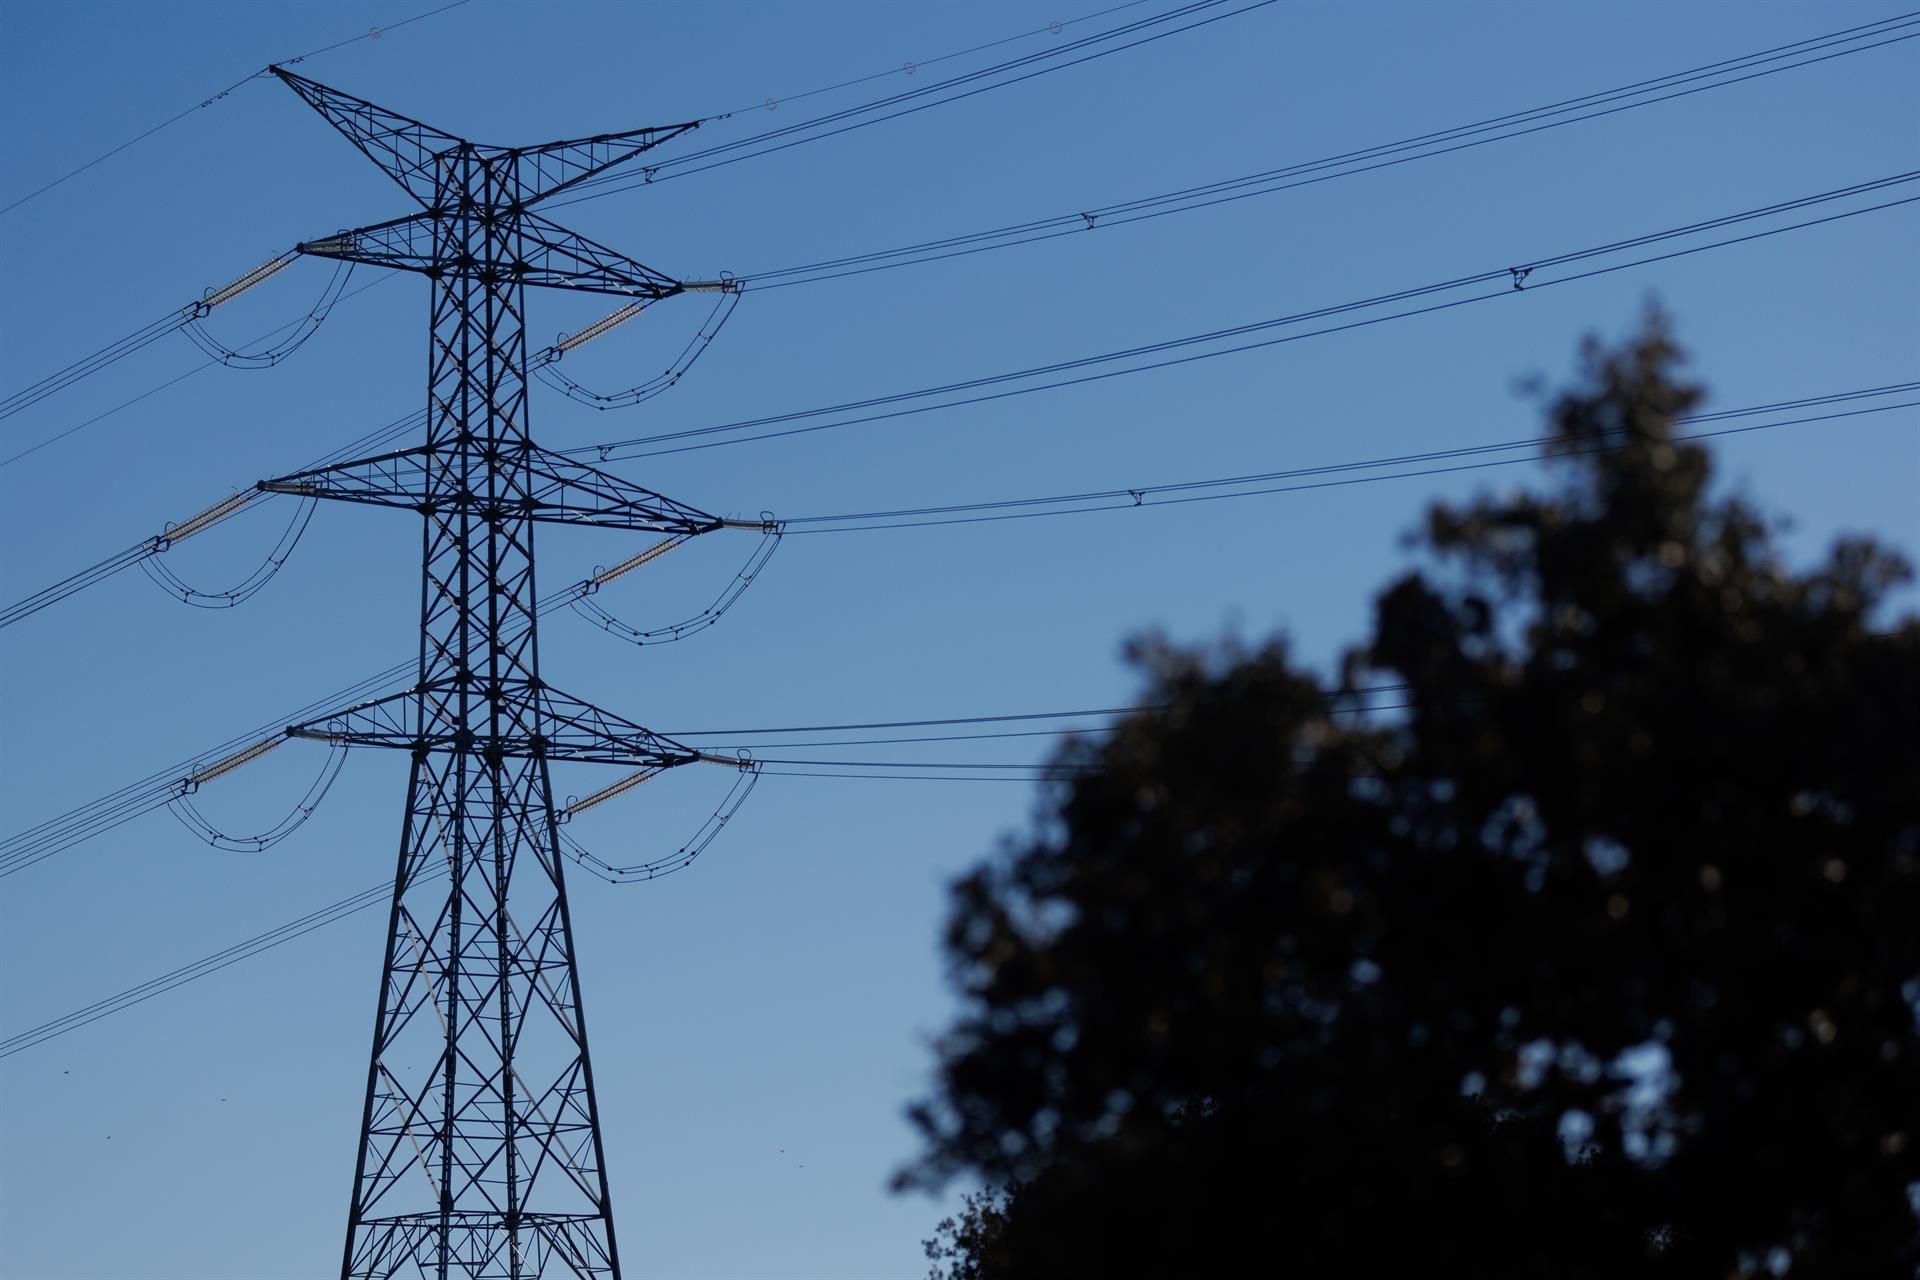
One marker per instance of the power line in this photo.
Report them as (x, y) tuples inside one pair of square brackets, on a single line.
[(353, 904), (178, 319), (1424, 146), (920, 64), (1026, 765), (373, 34), (1512, 279), (923, 777), (862, 726), (162, 327), (245, 354), (799, 134), (143, 553), (1151, 495), (204, 967), (1001, 735), (1244, 485), (55, 835), (1248, 186)]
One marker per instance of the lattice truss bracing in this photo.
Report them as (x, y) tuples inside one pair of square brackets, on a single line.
[(480, 1151)]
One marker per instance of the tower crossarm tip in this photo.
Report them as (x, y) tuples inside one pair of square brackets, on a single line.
[(404, 243), (404, 148), (573, 492), (552, 167), (541, 485), (556, 258), (538, 252), (548, 725), (409, 151)]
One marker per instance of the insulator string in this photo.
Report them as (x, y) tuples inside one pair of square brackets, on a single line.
[(681, 858), (170, 582), (589, 609), (196, 329), (549, 372), (183, 808)]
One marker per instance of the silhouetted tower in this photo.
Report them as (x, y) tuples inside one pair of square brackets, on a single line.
[(480, 1147)]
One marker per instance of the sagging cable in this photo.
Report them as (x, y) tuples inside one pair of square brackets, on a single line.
[(246, 588), (190, 817), (138, 553), (681, 858), (549, 372), (181, 318), (771, 532), (305, 328)]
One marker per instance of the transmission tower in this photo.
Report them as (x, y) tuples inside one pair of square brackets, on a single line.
[(480, 1145)]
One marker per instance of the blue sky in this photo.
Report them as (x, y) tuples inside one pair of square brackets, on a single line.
[(761, 1020)]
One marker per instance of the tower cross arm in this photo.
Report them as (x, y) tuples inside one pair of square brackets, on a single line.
[(406, 244), (549, 725), (539, 485), (402, 147), (553, 167), (409, 150), (536, 251), (557, 258)]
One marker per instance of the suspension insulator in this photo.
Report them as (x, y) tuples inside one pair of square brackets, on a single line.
[(600, 326), (633, 562), (247, 281), (245, 755), (211, 516), (607, 793)]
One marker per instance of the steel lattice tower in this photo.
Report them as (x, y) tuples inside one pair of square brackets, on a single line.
[(480, 1147)]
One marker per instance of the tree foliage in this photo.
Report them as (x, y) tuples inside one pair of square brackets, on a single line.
[(1599, 955)]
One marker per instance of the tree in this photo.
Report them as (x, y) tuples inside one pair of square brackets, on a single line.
[(1599, 955)]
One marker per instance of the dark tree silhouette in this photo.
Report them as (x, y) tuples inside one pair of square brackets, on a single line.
[(1598, 957)]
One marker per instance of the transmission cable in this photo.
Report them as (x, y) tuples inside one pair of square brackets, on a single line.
[(919, 64), (750, 770), (1269, 181), (205, 966), (43, 840), (665, 864), (908, 102), (55, 835), (48, 838), (549, 372), (190, 816), (179, 320), (170, 582), (303, 328), (1225, 487), (1350, 163), (373, 33), (588, 608), (382, 893), (376, 894), (145, 552), (1512, 280), (167, 324), (1087, 220)]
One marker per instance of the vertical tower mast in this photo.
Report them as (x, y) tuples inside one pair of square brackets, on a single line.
[(480, 1147)]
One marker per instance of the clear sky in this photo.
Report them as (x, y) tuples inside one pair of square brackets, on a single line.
[(760, 1021)]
